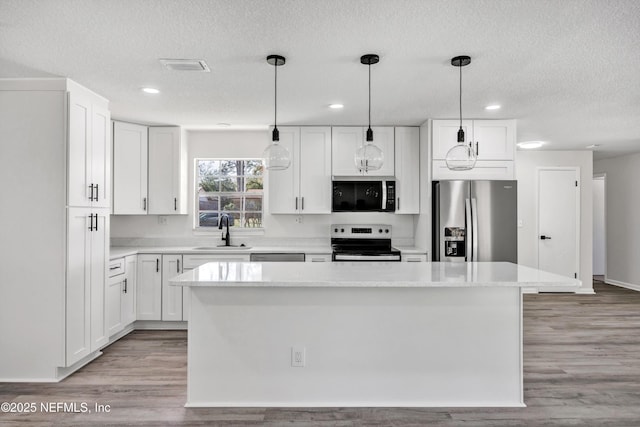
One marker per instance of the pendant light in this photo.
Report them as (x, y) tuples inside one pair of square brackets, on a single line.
[(461, 157), (276, 157), (369, 157)]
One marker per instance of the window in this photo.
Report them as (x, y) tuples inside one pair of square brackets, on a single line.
[(231, 187)]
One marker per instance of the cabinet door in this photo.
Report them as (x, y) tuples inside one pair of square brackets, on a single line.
[(129, 290), (284, 185), (165, 171), (113, 302), (171, 295), (149, 287), (99, 272), (315, 170), (79, 154), (129, 169), (344, 143), (495, 139), (445, 136), (100, 156), (407, 158), (384, 138), (78, 293)]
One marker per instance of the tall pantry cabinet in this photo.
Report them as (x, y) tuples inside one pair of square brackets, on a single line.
[(55, 170)]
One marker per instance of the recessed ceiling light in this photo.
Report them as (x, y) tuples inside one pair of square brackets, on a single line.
[(531, 144), (150, 90), (593, 146), (336, 106), (492, 107)]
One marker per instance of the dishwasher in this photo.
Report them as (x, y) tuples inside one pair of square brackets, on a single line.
[(277, 257)]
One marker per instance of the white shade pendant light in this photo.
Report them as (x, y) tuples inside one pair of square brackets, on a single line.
[(276, 157), (369, 157), (461, 157)]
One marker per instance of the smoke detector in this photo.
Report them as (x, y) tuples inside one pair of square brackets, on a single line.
[(185, 65)]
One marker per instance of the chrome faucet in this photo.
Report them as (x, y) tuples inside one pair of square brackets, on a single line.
[(225, 236)]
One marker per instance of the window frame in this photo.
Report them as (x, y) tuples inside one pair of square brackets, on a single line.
[(241, 194)]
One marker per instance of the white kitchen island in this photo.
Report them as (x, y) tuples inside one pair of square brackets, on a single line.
[(368, 334)]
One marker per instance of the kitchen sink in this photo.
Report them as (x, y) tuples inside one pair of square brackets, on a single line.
[(220, 247)]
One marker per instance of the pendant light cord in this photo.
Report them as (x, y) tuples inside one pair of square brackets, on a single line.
[(369, 96), (460, 92), (275, 103)]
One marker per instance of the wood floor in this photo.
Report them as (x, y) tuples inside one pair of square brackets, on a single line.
[(581, 368)]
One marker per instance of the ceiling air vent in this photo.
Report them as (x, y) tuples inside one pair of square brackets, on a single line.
[(185, 65)]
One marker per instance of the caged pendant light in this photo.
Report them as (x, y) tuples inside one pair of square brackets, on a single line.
[(369, 157), (461, 157), (276, 157)]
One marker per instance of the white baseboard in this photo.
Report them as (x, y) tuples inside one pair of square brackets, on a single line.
[(374, 404), (631, 286), (159, 325), (65, 372)]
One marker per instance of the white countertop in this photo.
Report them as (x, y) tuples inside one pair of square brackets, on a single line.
[(122, 251), (369, 274)]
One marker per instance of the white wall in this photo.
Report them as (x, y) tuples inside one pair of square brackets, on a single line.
[(622, 219), (598, 226), (246, 144), (526, 164)]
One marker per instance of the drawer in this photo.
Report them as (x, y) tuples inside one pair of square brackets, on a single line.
[(116, 267)]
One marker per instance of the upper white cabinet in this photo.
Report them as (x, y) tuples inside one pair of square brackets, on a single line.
[(407, 159), (130, 169), (167, 171), (304, 187), (149, 170), (88, 150), (493, 141), (345, 140)]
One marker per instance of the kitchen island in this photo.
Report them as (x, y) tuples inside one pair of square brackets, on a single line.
[(357, 334)]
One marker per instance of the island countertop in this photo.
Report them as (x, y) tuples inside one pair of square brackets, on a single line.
[(373, 275)]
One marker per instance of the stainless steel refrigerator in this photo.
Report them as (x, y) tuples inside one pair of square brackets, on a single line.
[(475, 221)]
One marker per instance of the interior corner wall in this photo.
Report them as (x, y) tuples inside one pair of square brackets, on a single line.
[(526, 164), (621, 217)]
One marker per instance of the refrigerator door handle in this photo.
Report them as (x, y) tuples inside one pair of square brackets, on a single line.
[(474, 228), (468, 235)]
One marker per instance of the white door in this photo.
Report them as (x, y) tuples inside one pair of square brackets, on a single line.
[(101, 156), (149, 287), (494, 139), (164, 170), (558, 220), (171, 295), (445, 136), (99, 267), (129, 169), (113, 304), (344, 143), (315, 170), (79, 170), (129, 291)]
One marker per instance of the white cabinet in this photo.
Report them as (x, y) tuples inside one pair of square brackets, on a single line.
[(130, 169), (407, 158), (88, 151), (149, 287), (87, 249), (304, 187), (494, 143), (167, 171), (345, 140), (120, 294), (171, 295), (149, 170)]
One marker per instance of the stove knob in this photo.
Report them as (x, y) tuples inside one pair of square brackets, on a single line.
[(342, 230), (380, 231), (335, 230), (386, 230)]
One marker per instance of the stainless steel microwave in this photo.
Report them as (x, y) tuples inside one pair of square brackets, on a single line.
[(364, 196)]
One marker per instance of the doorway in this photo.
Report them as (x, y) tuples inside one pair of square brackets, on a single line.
[(599, 228), (559, 220)]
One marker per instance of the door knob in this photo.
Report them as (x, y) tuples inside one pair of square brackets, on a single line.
[(543, 237)]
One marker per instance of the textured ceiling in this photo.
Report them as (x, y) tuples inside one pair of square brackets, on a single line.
[(568, 70)]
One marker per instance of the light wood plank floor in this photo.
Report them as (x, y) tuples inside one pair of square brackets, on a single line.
[(581, 366)]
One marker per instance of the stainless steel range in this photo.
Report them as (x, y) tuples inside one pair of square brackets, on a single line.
[(353, 242)]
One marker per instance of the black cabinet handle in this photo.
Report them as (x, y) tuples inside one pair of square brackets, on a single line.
[(302, 203), (178, 266), (543, 237), (175, 203), (90, 222), (398, 203), (296, 203), (144, 203), (125, 286), (96, 215), (91, 194), (97, 193), (157, 265), (477, 151)]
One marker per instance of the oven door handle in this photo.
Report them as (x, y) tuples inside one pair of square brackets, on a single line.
[(384, 196), (349, 257)]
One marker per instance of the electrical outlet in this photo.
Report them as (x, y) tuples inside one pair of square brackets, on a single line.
[(299, 219), (297, 357), (162, 220)]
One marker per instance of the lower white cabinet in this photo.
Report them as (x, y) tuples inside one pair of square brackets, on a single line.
[(149, 287), (171, 295), (121, 295), (87, 249), (414, 258), (317, 257)]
